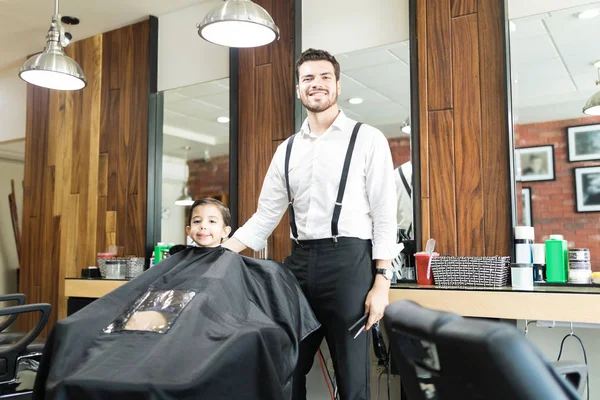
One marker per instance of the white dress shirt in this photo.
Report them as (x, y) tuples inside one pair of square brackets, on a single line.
[(316, 163), (405, 204)]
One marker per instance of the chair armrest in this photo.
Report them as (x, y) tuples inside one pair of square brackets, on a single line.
[(20, 299), (11, 352)]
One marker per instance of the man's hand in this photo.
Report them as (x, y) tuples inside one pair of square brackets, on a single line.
[(377, 300), (234, 245)]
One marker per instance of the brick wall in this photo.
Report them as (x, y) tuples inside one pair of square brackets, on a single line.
[(553, 202), (211, 179)]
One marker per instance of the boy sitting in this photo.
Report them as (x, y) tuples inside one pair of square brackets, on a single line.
[(209, 222)]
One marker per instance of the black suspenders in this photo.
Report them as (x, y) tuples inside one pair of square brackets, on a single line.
[(337, 209)]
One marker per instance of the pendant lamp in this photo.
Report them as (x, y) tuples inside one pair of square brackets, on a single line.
[(405, 128), (185, 199), (592, 107), (238, 23), (51, 68)]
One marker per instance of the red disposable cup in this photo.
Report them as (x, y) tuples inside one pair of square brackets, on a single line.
[(422, 261)]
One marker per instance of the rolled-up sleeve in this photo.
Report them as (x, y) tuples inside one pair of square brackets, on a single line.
[(272, 204), (381, 192)]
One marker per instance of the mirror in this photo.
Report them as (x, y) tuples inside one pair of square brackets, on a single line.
[(372, 47), (557, 146), (195, 152), (376, 90)]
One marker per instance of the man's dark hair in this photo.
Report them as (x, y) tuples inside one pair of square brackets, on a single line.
[(222, 208), (317, 55)]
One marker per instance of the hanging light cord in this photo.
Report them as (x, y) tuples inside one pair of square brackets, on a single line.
[(587, 382)]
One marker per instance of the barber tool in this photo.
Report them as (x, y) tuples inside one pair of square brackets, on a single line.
[(429, 250), (358, 326)]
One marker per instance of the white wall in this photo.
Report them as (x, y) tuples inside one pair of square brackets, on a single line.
[(9, 262), (173, 216), (13, 103), (521, 8), (184, 58), (341, 26)]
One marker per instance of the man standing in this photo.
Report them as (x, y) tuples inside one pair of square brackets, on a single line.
[(337, 179)]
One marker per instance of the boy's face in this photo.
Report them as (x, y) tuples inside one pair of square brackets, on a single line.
[(207, 228)]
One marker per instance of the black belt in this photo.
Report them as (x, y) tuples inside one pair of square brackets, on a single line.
[(327, 242), (337, 209)]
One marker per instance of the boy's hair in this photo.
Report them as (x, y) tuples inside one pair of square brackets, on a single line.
[(207, 200), (317, 55)]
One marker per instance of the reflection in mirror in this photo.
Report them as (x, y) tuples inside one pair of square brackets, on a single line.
[(557, 146), (195, 152), (375, 86), (376, 90)]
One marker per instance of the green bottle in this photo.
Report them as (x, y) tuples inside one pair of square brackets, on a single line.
[(158, 251), (557, 267)]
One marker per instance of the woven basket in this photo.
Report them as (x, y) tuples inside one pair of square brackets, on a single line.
[(470, 271)]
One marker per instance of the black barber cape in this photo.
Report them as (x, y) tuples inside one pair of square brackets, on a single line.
[(236, 339)]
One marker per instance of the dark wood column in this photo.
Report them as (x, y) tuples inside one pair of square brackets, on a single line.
[(266, 115), (86, 166), (464, 145)]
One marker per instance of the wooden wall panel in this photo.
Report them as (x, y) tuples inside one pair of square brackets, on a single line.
[(467, 128), (465, 199), (463, 7), (267, 117), (442, 196), (439, 56), (85, 157), (496, 153)]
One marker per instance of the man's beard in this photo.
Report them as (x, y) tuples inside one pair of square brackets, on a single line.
[(321, 106)]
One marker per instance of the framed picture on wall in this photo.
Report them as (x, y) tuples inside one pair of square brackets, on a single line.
[(526, 207), (584, 142), (587, 189), (535, 163)]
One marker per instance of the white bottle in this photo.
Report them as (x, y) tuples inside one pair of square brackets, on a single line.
[(524, 236)]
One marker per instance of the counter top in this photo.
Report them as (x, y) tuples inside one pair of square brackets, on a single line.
[(552, 303), (541, 288), (91, 288)]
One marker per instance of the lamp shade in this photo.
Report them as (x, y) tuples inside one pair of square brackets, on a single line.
[(405, 128), (185, 199), (592, 107), (53, 70), (238, 23)]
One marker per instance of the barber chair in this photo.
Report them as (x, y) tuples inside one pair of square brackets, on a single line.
[(443, 356), (8, 337), (19, 348)]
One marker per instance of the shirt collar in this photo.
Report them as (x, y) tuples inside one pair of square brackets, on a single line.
[(339, 123)]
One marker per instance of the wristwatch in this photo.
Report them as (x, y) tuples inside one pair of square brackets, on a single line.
[(387, 272)]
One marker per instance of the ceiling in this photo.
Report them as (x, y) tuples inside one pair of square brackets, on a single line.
[(380, 76), (27, 21), (551, 57), (551, 64), (190, 119)]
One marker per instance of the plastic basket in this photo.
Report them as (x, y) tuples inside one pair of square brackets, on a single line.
[(470, 271)]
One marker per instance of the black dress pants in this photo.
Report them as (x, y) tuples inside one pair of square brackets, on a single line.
[(335, 279)]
